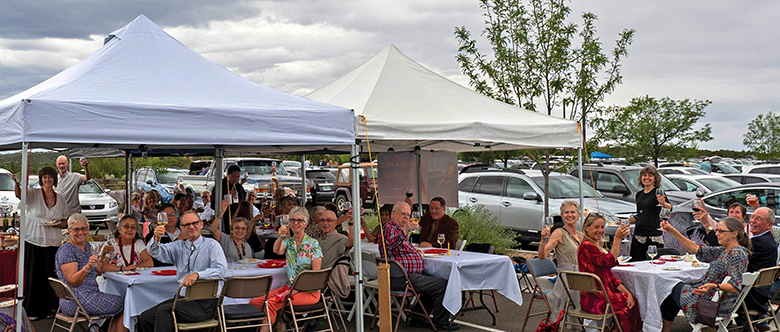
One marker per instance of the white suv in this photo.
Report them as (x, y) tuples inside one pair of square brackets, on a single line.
[(9, 204)]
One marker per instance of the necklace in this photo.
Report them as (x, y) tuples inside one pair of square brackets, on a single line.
[(241, 250)]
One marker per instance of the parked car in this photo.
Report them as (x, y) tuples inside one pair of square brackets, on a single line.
[(161, 180), (723, 168), (708, 183), (622, 182), (96, 204), (682, 170), (517, 198), (368, 184), (324, 184), (9, 204), (197, 166), (762, 169), (753, 178)]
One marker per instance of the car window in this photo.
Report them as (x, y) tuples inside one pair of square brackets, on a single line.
[(169, 176), (724, 200), (684, 185), (516, 187), (762, 170), (607, 181), (142, 175), (696, 171), (718, 184), (344, 175), (490, 185), (669, 171), (773, 170), (585, 176), (751, 179), (632, 176), (321, 176), (565, 187), (90, 188), (726, 169), (467, 184), (6, 182)]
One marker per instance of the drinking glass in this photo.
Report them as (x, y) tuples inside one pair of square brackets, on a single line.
[(548, 221), (658, 193), (440, 239), (416, 217), (698, 205), (700, 193), (652, 251), (284, 220), (267, 223), (665, 214), (625, 239), (230, 261), (162, 219), (751, 199)]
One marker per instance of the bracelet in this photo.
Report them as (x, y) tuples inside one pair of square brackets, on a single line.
[(121, 267), (717, 286)]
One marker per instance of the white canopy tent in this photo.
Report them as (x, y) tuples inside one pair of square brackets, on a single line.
[(145, 90)]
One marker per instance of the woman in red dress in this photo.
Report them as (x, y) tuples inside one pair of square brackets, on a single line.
[(593, 258)]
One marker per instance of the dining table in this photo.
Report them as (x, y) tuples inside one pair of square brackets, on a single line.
[(466, 271), (8, 270), (145, 290), (652, 283)]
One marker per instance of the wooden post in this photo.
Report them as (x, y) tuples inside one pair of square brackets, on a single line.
[(385, 314)]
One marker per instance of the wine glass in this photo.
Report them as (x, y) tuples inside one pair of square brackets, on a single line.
[(658, 193), (162, 219), (625, 238), (267, 223), (665, 214), (548, 222), (698, 206), (440, 239), (284, 220), (416, 217), (652, 251)]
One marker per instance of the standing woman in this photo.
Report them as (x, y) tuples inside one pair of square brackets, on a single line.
[(41, 241), (648, 207), (565, 240)]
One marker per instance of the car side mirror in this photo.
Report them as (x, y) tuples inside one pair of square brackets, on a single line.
[(532, 196), (149, 182), (107, 191), (620, 189)]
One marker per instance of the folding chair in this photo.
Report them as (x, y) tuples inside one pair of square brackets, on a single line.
[(370, 287), (668, 251), (309, 281), (485, 248), (200, 290), (586, 282), (460, 244), (397, 271), (766, 277), (80, 316), (722, 323), (244, 315), (539, 268)]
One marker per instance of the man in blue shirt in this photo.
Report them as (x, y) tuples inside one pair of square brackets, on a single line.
[(195, 258)]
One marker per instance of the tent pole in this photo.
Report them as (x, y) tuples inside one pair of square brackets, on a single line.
[(216, 171), (22, 235), (354, 163), (579, 170), (128, 191), (417, 170), (303, 181)]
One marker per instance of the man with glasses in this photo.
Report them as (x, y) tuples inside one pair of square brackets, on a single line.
[(208, 213), (333, 243), (251, 196), (763, 255), (195, 258), (399, 248)]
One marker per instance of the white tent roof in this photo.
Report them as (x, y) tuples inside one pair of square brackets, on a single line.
[(406, 104), (143, 87)]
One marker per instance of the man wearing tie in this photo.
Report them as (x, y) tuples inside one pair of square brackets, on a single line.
[(195, 258), (437, 222)]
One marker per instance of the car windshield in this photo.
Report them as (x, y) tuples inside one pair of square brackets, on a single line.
[(633, 178), (565, 187), (728, 169), (323, 176), (90, 188), (717, 184), (169, 176), (696, 171), (6, 182), (261, 167), (365, 170), (775, 179)]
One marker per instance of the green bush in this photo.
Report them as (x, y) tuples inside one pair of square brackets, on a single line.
[(478, 225)]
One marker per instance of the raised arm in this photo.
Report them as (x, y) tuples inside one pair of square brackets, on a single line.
[(686, 242), (549, 242), (76, 276)]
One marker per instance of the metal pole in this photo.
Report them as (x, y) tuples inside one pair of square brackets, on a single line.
[(216, 171), (22, 221), (579, 168), (303, 181), (128, 175), (417, 171), (354, 164)]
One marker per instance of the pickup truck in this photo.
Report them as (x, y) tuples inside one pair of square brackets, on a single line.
[(258, 177), (148, 179), (368, 185)]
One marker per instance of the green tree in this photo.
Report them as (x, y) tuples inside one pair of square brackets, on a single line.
[(763, 134), (652, 127), (536, 60)]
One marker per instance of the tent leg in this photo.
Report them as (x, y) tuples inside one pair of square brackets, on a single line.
[(354, 162), (303, 181), (579, 171), (22, 235), (217, 173), (417, 170), (128, 188)]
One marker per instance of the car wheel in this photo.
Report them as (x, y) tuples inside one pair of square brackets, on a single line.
[(340, 200)]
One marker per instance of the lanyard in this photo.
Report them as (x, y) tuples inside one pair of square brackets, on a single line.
[(132, 253), (239, 251)]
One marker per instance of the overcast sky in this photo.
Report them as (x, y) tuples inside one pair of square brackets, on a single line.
[(723, 51)]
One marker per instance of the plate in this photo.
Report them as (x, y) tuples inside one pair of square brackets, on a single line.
[(129, 273), (623, 259), (435, 251), (49, 223), (434, 255), (672, 258), (273, 264), (250, 260), (700, 264), (7, 288), (657, 262), (6, 304), (671, 268)]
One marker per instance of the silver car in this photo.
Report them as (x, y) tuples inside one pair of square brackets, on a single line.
[(517, 199), (708, 183), (96, 204)]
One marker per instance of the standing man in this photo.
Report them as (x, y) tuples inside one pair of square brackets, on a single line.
[(208, 213), (230, 186), (195, 258), (401, 250), (437, 222), (68, 183)]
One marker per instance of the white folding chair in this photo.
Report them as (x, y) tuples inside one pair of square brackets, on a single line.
[(722, 323)]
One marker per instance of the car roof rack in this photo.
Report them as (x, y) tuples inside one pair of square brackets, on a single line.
[(489, 168)]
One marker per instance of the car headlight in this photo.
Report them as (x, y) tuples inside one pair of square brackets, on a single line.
[(112, 205)]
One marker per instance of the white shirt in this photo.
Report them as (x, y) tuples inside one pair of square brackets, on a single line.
[(207, 213), (38, 212), (119, 260), (68, 186)]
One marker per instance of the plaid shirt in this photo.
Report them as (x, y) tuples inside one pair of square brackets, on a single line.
[(400, 249)]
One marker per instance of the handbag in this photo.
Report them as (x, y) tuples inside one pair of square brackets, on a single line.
[(548, 326), (706, 311)]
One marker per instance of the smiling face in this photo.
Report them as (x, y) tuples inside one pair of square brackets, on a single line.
[(79, 232), (736, 212), (725, 236), (570, 215), (648, 179), (191, 226), (171, 225), (47, 181), (759, 221), (233, 177), (128, 230), (239, 230), (327, 221), (596, 229), (62, 164), (298, 223), (287, 206), (437, 211)]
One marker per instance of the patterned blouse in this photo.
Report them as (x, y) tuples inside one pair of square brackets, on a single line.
[(299, 258), (722, 263)]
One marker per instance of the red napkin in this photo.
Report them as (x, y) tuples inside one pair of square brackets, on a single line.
[(273, 263), (282, 294), (657, 262), (164, 272), (626, 264), (667, 259), (436, 251)]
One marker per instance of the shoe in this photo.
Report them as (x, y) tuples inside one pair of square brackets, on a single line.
[(764, 328), (33, 318), (416, 322), (447, 327)]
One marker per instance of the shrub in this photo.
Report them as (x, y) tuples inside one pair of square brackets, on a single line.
[(478, 225)]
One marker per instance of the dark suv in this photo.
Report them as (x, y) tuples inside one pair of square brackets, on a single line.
[(324, 184), (622, 182)]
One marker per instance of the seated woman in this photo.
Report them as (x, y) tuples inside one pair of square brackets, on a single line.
[(77, 267), (566, 241), (129, 252), (593, 258), (234, 245), (729, 259), (244, 211), (303, 253)]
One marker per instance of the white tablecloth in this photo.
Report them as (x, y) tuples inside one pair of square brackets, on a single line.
[(472, 271), (651, 284), (146, 290)]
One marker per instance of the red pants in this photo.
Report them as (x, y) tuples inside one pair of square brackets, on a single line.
[(302, 298)]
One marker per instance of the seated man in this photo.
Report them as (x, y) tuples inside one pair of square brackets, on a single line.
[(735, 210), (763, 255), (401, 250), (195, 258), (437, 222), (333, 243)]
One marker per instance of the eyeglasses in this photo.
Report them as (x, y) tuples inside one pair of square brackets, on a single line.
[(192, 224), (239, 228), (80, 229), (129, 226), (405, 215), (596, 214), (722, 230), (300, 221)]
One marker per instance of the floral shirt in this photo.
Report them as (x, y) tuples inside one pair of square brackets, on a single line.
[(299, 258)]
